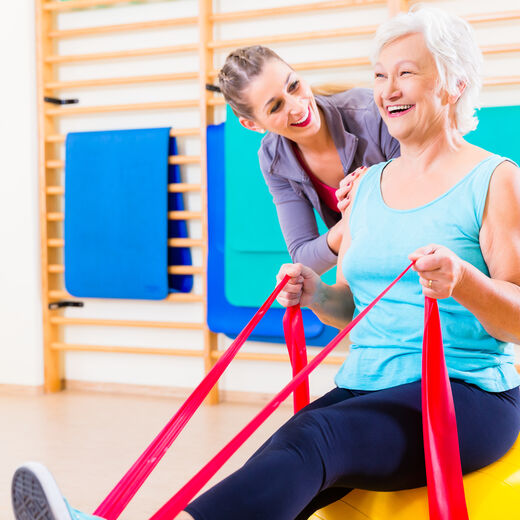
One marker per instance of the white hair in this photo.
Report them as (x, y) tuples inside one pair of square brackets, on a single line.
[(454, 48)]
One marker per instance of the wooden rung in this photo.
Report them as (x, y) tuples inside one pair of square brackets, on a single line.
[(185, 242), (136, 53), (62, 320), (362, 61), (183, 187), (138, 26), (107, 82), (55, 190), (127, 350), (55, 294), (181, 132), (172, 159), (55, 242), (292, 9), (183, 159), (185, 269), (261, 356), (213, 102), (174, 269), (184, 215), (500, 16), (501, 48), (79, 4), (161, 105), (306, 36), (504, 80), (55, 138), (55, 216), (185, 297), (54, 163), (174, 132)]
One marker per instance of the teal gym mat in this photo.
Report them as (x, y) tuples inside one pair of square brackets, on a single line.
[(255, 248), (497, 131)]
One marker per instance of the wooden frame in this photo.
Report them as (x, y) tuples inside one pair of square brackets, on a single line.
[(50, 141)]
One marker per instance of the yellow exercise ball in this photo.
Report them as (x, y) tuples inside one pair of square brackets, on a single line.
[(492, 493)]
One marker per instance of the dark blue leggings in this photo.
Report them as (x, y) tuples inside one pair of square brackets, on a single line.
[(356, 439)]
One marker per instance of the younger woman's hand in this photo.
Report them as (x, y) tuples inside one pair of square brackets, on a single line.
[(345, 187), (301, 288), (440, 270)]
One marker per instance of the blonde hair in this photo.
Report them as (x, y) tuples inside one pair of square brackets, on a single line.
[(240, 68), (246, 63)]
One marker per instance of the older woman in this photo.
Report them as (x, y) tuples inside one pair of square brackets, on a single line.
[(452, 207)]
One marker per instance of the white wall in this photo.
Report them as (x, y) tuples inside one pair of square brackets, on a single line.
[(20, 331), (20, 304)]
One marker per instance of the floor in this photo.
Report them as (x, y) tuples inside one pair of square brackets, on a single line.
[(89, 440)]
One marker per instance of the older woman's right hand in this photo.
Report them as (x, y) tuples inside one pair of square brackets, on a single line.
[(302, 288)]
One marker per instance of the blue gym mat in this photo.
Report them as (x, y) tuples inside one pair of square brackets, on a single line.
[(177, 229), (116, 204), (222, 315)]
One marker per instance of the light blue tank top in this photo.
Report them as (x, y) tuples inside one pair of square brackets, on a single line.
[(387, 344)]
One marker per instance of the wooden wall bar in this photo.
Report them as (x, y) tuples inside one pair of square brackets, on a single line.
[(204, 53)]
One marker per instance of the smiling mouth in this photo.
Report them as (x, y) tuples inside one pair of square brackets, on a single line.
[(398, 110), (305, 120)]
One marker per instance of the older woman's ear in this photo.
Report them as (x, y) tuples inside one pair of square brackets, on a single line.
[(461, 87)]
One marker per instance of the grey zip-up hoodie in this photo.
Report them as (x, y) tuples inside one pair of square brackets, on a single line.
[(361, 138)]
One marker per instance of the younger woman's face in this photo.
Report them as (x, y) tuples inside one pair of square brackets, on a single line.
[(282, 103)]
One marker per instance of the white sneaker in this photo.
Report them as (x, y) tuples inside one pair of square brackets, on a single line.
[(36, 496)]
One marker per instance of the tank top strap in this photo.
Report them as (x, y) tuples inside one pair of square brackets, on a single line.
[(479, 181), (367, 189)]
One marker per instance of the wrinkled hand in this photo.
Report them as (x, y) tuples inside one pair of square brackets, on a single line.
[(301, 288), (345, 187), (440, 270)]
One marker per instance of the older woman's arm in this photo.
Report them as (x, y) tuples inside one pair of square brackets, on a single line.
[(494, 300)]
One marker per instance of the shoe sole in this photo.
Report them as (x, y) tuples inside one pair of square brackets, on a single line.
[(36, 496)]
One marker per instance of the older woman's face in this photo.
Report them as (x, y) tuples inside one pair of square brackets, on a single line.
[(406, 90), (282, 103)]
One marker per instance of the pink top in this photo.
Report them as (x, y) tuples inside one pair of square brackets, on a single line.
[(325, 192)]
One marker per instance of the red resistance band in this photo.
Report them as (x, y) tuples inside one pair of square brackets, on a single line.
[(441, 443), (445, 489), (127, 487), (295, 339)]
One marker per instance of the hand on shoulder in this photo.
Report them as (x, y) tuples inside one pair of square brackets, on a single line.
[(345, 192)]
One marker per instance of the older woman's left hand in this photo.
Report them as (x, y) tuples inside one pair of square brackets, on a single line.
[(440, 270)]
